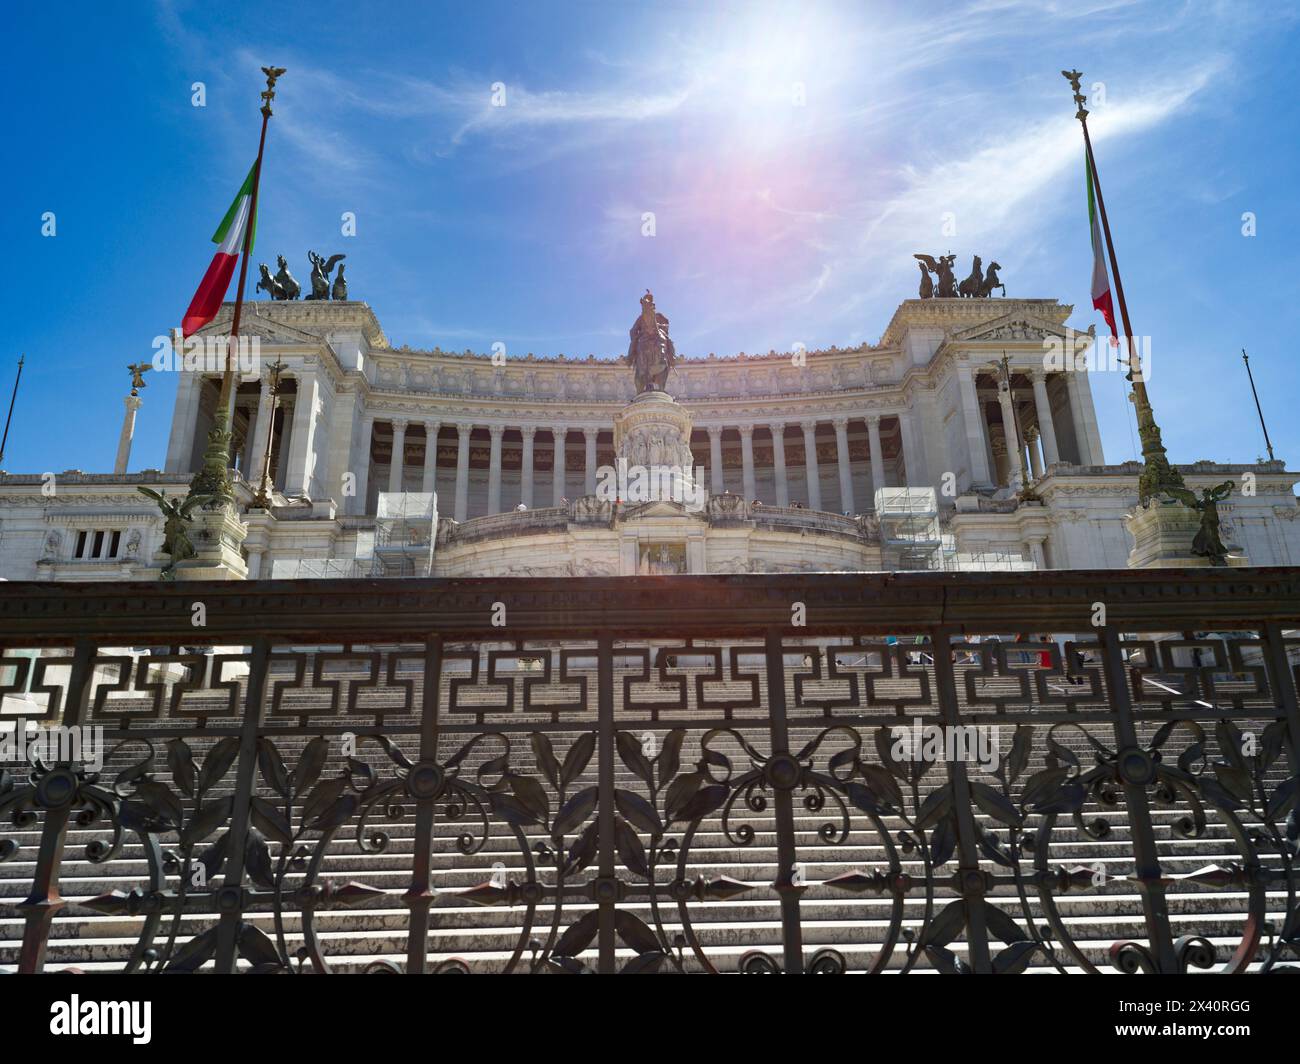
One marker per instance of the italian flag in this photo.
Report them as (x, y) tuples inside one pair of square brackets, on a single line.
[(1100, 281), (229, 239)]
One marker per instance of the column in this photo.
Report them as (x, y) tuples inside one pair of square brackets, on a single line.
[(128, 433), (559, 434), (589, 485), (1088, 418), (338, 448), (462, 471), (1035, 551), (252, 469), (715, 459), (1014, 462), (261, 432), (399, 456), (1043, 407), (810, 464), (1035, 463), (747, 460), (778, 458), (918, 475), (362, 465), (283, 445), (998, 445), (877, 456), (180, 444), (302, 459), (526, 469), (973, 419), (430, 482), (494, 469), (846, 467)]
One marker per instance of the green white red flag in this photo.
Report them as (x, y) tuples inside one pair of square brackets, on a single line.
[(1100, 280), (229, 239)]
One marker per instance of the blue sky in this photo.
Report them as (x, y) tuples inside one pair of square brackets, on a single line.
[(775, 222)]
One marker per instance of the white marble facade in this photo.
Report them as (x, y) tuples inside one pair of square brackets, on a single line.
[(795, 447)]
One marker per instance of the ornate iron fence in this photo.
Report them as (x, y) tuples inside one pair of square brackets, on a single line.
[(665, 774)]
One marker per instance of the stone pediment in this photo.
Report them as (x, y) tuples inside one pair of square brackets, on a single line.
[(269, 332), (1015, 327), (301, 321)]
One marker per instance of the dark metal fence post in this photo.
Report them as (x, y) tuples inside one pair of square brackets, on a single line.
[(43, 903), (1136, 771), (783, 775), (606, 885), (230, 897), (420, 896), (971, 875)]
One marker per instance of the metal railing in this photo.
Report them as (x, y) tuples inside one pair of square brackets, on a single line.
[(601, 730)]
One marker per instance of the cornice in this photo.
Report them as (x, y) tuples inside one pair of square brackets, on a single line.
[(38, 613), (308, 318), (952, 315)]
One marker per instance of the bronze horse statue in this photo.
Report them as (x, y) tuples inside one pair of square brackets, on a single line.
[(991, 281), (285, 279), (972, 286), (927, 285), (269, 284)]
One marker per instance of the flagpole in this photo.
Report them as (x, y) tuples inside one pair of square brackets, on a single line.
[(214, 478), (1158, 474), (1244, 357), (12, 398)]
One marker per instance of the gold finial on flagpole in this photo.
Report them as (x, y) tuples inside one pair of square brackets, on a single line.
[(1073, 77), (272, 75)]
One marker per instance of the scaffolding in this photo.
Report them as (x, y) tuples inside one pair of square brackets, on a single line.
[(913, 538), (406, 529), (400, 544), (909, 527)]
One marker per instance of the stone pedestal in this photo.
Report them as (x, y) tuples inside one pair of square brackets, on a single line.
[(653, 433), (1162, 538), (218, 537)]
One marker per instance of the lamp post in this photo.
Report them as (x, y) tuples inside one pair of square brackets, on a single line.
[(1026, 493), (263, 500)]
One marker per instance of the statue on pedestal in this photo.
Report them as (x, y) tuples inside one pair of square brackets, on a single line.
[(177, 518), (979, 284), (137, 371), (650, 350), (321, 268), (941, 267), (1207, 542)]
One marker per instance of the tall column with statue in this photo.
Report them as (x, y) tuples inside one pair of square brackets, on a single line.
[(653, 432), (133, 402)]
